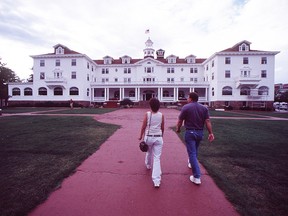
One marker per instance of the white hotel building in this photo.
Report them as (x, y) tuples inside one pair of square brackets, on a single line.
[(237, 77)]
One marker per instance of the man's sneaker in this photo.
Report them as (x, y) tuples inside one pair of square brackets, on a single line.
[(189, 164), (195, 180)]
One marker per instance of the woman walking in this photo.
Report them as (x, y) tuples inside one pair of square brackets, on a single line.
[(152, 130)]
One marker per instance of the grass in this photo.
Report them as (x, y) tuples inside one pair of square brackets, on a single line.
[(57, 110), (38, 152), (248, 161)]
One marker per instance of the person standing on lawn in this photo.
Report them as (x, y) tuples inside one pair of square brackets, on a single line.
[(195, 117), (152, 130)]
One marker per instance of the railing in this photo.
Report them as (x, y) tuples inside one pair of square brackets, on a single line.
[(55, 80), (158, 83)]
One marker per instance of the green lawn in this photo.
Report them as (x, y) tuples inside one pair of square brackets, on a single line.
[(57, 110), (38, 152), (248, 159)]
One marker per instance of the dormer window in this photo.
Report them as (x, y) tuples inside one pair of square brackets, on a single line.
[(171, 59), (125, 60), (191, 59), (243, 47), (59, 50), (107, 60)]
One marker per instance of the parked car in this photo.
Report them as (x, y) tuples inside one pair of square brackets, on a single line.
[(283, 105)]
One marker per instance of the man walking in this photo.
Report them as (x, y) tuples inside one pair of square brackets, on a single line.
[(195, 116)]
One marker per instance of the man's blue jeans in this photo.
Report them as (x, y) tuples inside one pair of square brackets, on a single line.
[(193, 139)]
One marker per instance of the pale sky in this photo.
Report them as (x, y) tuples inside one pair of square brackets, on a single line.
[(117, 28)]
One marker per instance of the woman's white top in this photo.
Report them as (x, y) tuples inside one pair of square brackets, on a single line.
[(155, 124)]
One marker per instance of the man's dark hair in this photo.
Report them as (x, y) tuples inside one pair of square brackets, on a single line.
[(154, 104), (194, 96)]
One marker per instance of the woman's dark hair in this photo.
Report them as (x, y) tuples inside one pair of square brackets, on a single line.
[(154, 104), (194, 96)]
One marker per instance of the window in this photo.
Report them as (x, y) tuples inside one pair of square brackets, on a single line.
[(132, 93), (88, 92), (105, 70), (149, 80), (105, 80), (181, 95), (245, 73), (88, 65), (73, 75), (42, 75), (115, 79), (213, 63), (59, 50), (74, 91), (88, 77), (171, 60), (149, 69), (57, 62), (191, 79), (170, 70), (244, 47), (42, 91), (245, 91), (15, 91), (182, 79), (73, 62), (263, 90), (195, 80), (245, 60), (27, 91), (42, 63), (227, 60), (227, 90), (263, 74), (227, 74), (165, 93), (58, 91), (263, 60), (127, 80), (212, 76), (170, 80), (57, 74), (193, 70), (127, 70), (213, 92)]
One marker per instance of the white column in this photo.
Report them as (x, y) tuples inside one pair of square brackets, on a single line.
[(107, 94), (139, 94), (136, 94), (120, 94)]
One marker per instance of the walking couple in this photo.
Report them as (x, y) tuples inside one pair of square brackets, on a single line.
[(195, 116)]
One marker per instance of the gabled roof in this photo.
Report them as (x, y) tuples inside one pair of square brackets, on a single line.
[(66, 49)]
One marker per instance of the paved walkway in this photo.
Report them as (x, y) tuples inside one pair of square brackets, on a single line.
[(114, 180)]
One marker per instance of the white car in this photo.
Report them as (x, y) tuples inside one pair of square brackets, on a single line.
[(283, 105)]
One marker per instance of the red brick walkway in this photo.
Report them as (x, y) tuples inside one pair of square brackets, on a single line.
[(114, 180)]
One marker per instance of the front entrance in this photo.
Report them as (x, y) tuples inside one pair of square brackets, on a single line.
[(148, 94)]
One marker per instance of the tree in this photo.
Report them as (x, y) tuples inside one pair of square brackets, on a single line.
[(6, 76), (30, 79)]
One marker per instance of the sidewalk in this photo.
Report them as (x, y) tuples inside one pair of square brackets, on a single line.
[(114, 180)]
